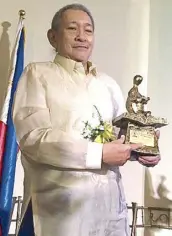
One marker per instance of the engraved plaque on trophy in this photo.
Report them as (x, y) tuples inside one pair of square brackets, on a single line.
[(138, 125)]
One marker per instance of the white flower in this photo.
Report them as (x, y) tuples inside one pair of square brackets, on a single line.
[(94, 123), (87, 133), (101, 128), (93, 126)]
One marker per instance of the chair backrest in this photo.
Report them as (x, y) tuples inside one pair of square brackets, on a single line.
[(15, 215), (149, 218)]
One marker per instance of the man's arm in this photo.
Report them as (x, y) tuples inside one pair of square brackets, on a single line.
[(38, 139)]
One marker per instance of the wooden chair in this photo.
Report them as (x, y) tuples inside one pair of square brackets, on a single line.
[(15, 215)]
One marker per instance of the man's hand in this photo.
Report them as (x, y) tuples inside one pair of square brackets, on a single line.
[(150, 161), (117, 153)]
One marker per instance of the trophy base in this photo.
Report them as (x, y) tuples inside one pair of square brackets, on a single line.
[(139, 128), (144, 135)]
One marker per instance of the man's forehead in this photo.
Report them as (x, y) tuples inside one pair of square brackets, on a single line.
[(75, 16)]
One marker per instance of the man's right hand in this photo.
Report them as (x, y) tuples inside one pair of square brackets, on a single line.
[(117, 153)]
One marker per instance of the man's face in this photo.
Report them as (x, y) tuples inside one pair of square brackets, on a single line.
[(75, 37)]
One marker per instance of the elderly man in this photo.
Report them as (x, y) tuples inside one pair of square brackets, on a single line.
[(73, 181)]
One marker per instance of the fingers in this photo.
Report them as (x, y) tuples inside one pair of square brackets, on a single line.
[(135, 146), (120, 140), (149, 160), (158, 134), (131, 147)]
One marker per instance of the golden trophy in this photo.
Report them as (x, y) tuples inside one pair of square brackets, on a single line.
[(138, 125)]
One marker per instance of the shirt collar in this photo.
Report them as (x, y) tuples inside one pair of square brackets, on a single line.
[(71, 65)]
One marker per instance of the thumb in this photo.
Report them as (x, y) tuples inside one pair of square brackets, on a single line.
[(135, 146), (120, 140)]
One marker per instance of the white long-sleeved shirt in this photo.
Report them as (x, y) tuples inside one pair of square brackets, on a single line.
[(52, 102)]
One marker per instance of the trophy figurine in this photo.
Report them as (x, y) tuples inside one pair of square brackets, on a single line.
[(138, 125)]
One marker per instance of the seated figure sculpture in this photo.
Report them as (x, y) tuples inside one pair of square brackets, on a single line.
[(135, 97)]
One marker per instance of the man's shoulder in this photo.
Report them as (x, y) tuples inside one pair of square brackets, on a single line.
[(41, 71), (41, 66)]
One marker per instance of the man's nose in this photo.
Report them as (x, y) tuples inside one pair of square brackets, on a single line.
[(81, 35)]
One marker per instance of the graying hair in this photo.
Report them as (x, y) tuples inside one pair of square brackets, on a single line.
[(55, 25)]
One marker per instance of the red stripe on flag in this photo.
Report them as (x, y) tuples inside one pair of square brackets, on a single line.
[(3, 129)]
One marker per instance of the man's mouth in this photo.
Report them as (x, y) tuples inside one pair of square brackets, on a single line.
[(81, 47)]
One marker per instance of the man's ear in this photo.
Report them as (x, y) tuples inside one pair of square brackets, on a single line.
[(52, 37)]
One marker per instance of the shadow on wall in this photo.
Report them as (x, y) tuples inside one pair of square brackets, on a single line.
[(4, 60), (150, 201)]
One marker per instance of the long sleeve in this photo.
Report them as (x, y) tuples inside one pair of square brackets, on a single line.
[(38, 138)]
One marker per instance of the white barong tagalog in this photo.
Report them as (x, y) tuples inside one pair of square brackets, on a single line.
[(72, 192)]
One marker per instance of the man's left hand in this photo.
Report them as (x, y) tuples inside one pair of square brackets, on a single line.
[(150, 161)]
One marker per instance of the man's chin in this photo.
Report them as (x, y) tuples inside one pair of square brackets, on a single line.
[(80, 58)]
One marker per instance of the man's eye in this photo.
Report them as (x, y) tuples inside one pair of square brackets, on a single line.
[(72, 28), (89, 30)]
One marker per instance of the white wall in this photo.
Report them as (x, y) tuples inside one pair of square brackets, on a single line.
[(158, 190), (128, 33)]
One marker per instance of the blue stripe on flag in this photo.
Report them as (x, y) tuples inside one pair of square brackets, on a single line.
[(11, 149)]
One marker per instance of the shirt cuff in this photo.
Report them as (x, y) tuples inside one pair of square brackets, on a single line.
[(94, 155)]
